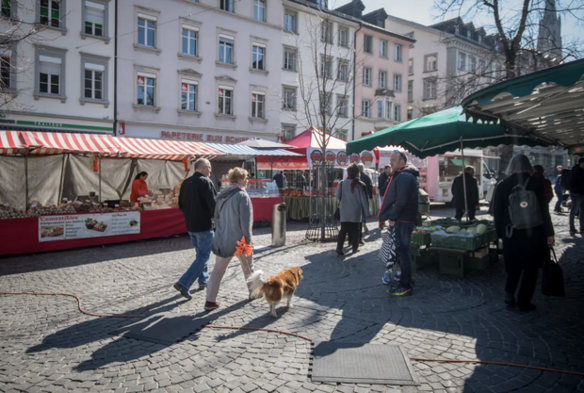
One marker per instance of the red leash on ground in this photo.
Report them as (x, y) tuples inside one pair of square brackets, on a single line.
[(295, 335)]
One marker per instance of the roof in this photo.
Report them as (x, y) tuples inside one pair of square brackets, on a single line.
[(311, 138), (10, 142), (388, 32), (549, 104), (43, 143), (242, 150), (160, 149)]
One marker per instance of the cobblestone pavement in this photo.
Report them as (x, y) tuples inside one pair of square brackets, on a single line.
[(47, 345)]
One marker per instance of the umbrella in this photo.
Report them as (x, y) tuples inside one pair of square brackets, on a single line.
[(444, 131), (259, 143)]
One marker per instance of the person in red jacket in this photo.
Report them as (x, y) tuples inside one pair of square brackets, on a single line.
[(139, 187), (547, 185)]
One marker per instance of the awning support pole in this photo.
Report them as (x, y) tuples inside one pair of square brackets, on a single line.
[(99, 158), (25, 180), (464, 179)]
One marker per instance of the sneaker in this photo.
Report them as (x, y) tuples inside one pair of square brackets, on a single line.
[(397, 277), (185, 293), (386, 279), (202, 287), (210, 306), (399, 291)]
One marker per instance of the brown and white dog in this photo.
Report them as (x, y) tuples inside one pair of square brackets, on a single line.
[(276, 287)]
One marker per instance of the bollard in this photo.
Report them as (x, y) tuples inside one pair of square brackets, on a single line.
[(279, 225)]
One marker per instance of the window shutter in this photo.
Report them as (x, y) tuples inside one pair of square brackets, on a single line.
[(94, 15), (50, 65)]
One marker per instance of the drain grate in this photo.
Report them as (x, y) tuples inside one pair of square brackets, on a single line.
[(362, 363)]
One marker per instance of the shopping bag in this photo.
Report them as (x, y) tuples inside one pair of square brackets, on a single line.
[(552, 283), (387, 252)]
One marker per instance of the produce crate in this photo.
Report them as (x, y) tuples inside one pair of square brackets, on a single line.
[(492, 235), (480, 263), (420, 257), (420, 239), (452, 263), (459, 242)]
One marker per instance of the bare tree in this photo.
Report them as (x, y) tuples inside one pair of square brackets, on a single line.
[(516, 34), (325, 61), (14, 31)]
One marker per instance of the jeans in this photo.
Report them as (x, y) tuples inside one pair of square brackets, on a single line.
[(558, 207), (403, 233), (203, 243), (577, 205)]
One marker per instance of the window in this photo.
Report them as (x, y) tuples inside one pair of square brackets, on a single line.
[(343, 71), (398, 52), (397, 113), (429, 89), (397, 82), (5, 8), (342, 134), (342, 106), (190, 37), (482, 68), (226, 5), (257, 105), (290, 59), (50, 75), (410, 114), (288, 132), (411, 67), (410, 91), (326, 103), (146, 31), (431, 63), (471, 64), (50, 13), (290, 22), (94, 19), (366, 109), (188, 96), (5, 72), (93, 87), (326, 31), (383, 48), (380, 111), (461, 61), (258, 57), (289, 98), (146, 89), (226, 49), (259, 10), (225, 100), (322, 3), (382, 80), (344, 37), (388, 109), (326, 64), (367, 76), (368, 44)]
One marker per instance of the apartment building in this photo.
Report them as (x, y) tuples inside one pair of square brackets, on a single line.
[(199, 71), (317, 69), (61, 78), (381, 71)]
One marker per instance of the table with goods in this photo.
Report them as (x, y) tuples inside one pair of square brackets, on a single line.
[(457, 246), (264, 195)]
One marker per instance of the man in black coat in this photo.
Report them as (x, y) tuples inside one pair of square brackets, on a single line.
[(197, 202), (577, 195), (472, 193), (383, 180)]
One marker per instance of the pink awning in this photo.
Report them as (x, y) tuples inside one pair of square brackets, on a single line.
[(161, 149), (61, 142), (10, 142)]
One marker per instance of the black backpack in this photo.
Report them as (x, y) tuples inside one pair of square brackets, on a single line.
[(524, 208)]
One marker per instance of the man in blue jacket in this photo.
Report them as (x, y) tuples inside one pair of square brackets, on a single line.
[(400, 207), (559, 191)]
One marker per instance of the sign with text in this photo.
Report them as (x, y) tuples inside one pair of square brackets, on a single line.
[(83, 226)]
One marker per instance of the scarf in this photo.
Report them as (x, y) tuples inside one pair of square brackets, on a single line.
[(241, 187), (354, 183)]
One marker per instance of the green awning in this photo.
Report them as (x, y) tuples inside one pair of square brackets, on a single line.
[(456, 162), (441, 132), (548, 104)]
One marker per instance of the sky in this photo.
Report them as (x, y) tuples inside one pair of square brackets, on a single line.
[(423, 11)]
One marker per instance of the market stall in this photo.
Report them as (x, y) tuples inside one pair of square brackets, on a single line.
[(65, 201)]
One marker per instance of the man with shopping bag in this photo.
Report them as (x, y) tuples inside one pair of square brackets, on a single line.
[(400, 208)]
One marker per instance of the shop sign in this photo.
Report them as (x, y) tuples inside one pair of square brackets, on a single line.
[(367, 158), (355, 158), (330, 157), (83, 226), (342, 158), (200, 137), (316, 157)]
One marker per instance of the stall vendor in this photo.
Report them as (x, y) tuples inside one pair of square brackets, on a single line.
[(139, 187)]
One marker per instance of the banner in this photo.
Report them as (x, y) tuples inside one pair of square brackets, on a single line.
[(82, 226)]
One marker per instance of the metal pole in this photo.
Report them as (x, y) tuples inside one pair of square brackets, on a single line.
[(99, 158), (26, 180), (464, 180), (60, 196)]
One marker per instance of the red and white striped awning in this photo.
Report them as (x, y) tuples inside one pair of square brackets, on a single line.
[(160, 149), (11, 142), (61, 142)]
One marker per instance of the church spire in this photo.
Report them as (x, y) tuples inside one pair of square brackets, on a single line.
[(549, 40)]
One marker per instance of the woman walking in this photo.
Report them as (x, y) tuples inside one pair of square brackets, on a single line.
[(353, 206), (524, 250), (233, 220)]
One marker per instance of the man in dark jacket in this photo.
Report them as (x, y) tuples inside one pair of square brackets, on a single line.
[(577, 195), (364, 177), (400, 207), (383, 180), (279, 178), (197, 203), (559, 193), (472, 193), (538, 173)]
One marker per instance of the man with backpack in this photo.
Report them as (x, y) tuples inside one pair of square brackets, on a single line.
[(577, 196), (522, 220)]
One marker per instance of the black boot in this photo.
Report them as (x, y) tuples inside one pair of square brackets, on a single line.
[(510, 299)]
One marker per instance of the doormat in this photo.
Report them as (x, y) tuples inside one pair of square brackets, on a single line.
[(362, 363), (165, 329)]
